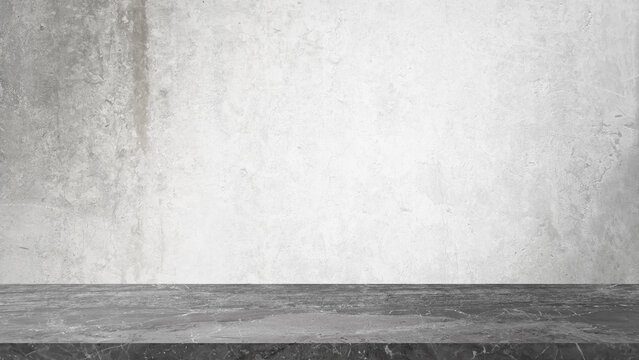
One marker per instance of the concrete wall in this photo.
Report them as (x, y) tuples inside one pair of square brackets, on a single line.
[(319, 141)]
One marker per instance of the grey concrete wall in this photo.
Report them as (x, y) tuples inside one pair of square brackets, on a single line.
[(319, 141)]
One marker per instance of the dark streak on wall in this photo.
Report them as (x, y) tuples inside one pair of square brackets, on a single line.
[(139, 61)]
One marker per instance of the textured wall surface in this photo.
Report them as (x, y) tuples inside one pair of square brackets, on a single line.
[(319, 141)]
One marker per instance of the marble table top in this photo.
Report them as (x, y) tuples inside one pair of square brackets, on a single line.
[(334, 351), (319, 314)]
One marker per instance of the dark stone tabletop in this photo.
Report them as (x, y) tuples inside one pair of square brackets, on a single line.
[(319, 321), (319, 313)]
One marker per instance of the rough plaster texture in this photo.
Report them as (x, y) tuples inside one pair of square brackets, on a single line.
[(319, 141)]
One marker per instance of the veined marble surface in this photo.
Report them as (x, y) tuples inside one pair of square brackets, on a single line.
[(319, 313), (320, 351)]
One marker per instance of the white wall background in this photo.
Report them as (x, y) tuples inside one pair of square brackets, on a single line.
[(319, 141)]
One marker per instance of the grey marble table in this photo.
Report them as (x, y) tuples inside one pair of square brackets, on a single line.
[(319, 313), (314, 351)]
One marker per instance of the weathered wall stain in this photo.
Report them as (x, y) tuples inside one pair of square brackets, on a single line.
[(139, 63), (70, 174)]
